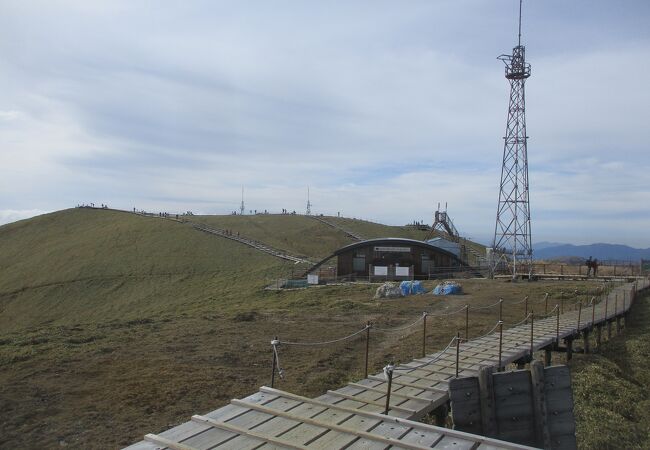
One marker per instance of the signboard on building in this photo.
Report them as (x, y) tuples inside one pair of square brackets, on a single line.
[(393, 249), (381, 271), (401, 271)]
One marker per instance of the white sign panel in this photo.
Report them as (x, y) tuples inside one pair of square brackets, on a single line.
[(312, 279), (401, 271), (393, 249), (381, 270)]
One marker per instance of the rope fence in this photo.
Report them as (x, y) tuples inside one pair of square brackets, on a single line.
[(529, 317)]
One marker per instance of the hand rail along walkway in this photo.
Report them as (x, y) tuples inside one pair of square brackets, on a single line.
[(351, 417)]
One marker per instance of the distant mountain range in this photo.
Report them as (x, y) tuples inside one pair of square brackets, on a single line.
[(554, 250)]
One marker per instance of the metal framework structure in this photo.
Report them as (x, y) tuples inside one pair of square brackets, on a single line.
[(442, 222), (512, 245)]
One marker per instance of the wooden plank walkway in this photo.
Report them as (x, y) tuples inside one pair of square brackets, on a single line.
[(350, 417)]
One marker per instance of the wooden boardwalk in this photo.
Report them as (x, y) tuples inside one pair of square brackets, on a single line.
[(350, 417)]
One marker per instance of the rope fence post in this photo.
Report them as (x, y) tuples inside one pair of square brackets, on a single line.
[(457, 351), (618, 319), (593, 311), (532, 333), (609, 326), (500, 344), (526, 307), (546, 303), (562, 302), (388, 373), (467, 322), (557, 326), (368, 326), (579, 314), (424, 333), (274, 344)]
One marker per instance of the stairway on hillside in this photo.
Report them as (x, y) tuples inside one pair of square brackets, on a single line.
[(349, 233), (252, 243)]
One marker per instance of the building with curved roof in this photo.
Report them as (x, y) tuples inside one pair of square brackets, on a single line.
[(393, 259)]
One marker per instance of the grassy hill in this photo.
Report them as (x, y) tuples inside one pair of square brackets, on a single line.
[(86, 265), (306, 236), (299, 235), (113, 325)]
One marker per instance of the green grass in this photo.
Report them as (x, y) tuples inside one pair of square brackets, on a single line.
[(612, 389), (85, 265), (299, 235)]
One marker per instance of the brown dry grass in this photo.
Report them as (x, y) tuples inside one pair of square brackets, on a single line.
[(105, 385)]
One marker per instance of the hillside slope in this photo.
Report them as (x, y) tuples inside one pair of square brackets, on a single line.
[(113, 325), (85, 265), (296, 234)]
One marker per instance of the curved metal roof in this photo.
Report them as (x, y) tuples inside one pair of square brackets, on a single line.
[(395, 241), (387, 241)]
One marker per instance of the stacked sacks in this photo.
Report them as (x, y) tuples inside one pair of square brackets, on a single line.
[(411, 287), (388, 290), (448, 288)]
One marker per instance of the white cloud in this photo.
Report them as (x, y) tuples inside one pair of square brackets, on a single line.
[(12, 215), (384, 109)]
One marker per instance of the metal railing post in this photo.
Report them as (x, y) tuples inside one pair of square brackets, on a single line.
[(424, 333), (593, 311), (500, 344), (388, 371), (532, 333), (526, 308), (557, 326), (274, 342), (368, 326), (546, 303), (500, 309), (457, 352), (467, 322)]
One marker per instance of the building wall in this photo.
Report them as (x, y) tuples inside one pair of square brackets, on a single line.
[(374, 256)]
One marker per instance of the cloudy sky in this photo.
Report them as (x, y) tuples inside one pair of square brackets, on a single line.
[(382, 108)]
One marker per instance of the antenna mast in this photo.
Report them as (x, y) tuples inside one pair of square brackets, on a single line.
[(242, 208), (519, 42), (308, 203), (512, 246)]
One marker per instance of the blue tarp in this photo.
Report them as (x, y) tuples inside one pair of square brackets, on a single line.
[(411, 287), (448, 288)]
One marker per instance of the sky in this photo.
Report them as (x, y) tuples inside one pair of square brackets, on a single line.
[(383, 109)]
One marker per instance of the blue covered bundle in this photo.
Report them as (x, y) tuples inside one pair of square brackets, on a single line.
[(411, 287), (448, 288)]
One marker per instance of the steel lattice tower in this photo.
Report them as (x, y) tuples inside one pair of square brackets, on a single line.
[(512, 245)]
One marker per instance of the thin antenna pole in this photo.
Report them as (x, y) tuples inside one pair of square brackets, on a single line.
[(241, 207), (520, 2), (308, 203)]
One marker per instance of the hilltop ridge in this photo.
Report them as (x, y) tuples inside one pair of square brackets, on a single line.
[(87, 264)]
